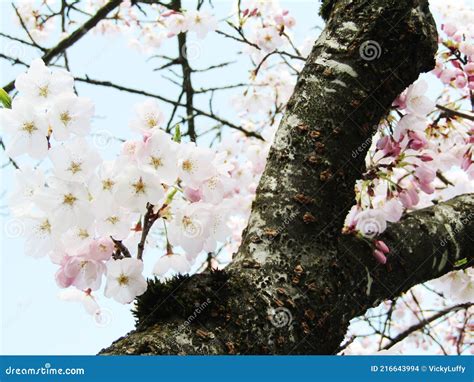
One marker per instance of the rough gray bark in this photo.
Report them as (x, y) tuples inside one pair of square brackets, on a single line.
[(293, 259)]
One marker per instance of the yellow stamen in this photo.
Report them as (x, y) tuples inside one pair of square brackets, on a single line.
[(29, 127), (65, 118), (69, 199), (43, 91), (123, 279), (139, 186), (107, 184), (156, 162), (75, 167)]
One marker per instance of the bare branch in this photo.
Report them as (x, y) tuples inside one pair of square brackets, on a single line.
[(424, 322), (74, 37)]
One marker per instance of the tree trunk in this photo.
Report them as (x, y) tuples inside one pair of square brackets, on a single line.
[(296, 282)]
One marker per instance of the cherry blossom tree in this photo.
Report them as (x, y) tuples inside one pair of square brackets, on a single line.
[(334, 214)]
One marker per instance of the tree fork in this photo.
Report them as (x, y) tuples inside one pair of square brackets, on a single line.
[(296, 282)]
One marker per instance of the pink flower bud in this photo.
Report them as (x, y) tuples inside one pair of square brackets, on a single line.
[(466, 163), (456, 64), (379, 256), (426, 158), (254, 12), (409, 197), (417, 142), (381, 246)]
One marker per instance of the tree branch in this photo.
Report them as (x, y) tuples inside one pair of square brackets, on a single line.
[(172, 102), (67, 42), (420, 325), (457, 113), (295, 282)]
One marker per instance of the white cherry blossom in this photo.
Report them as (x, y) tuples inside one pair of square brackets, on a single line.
[(74, 160), (158, 155), (200, 22), (86, 298), (148, 117), (28, 183), (176, 23), (189, 227), (27, 129), (125, 280), (68, 203), (78, 238), (269, 39), (136, 188), (195, 165), (111, 219), (371, 222), (70, 115), (416, 100), (171, 262), (41, 86), (41, 238), (103, 184)]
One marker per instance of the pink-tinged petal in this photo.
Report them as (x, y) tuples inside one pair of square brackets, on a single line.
[(381, 246), (379, 256)]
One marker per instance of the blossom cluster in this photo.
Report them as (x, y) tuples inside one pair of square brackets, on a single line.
[(420, 154), (87, 214), (173, 203), (142, 34)]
